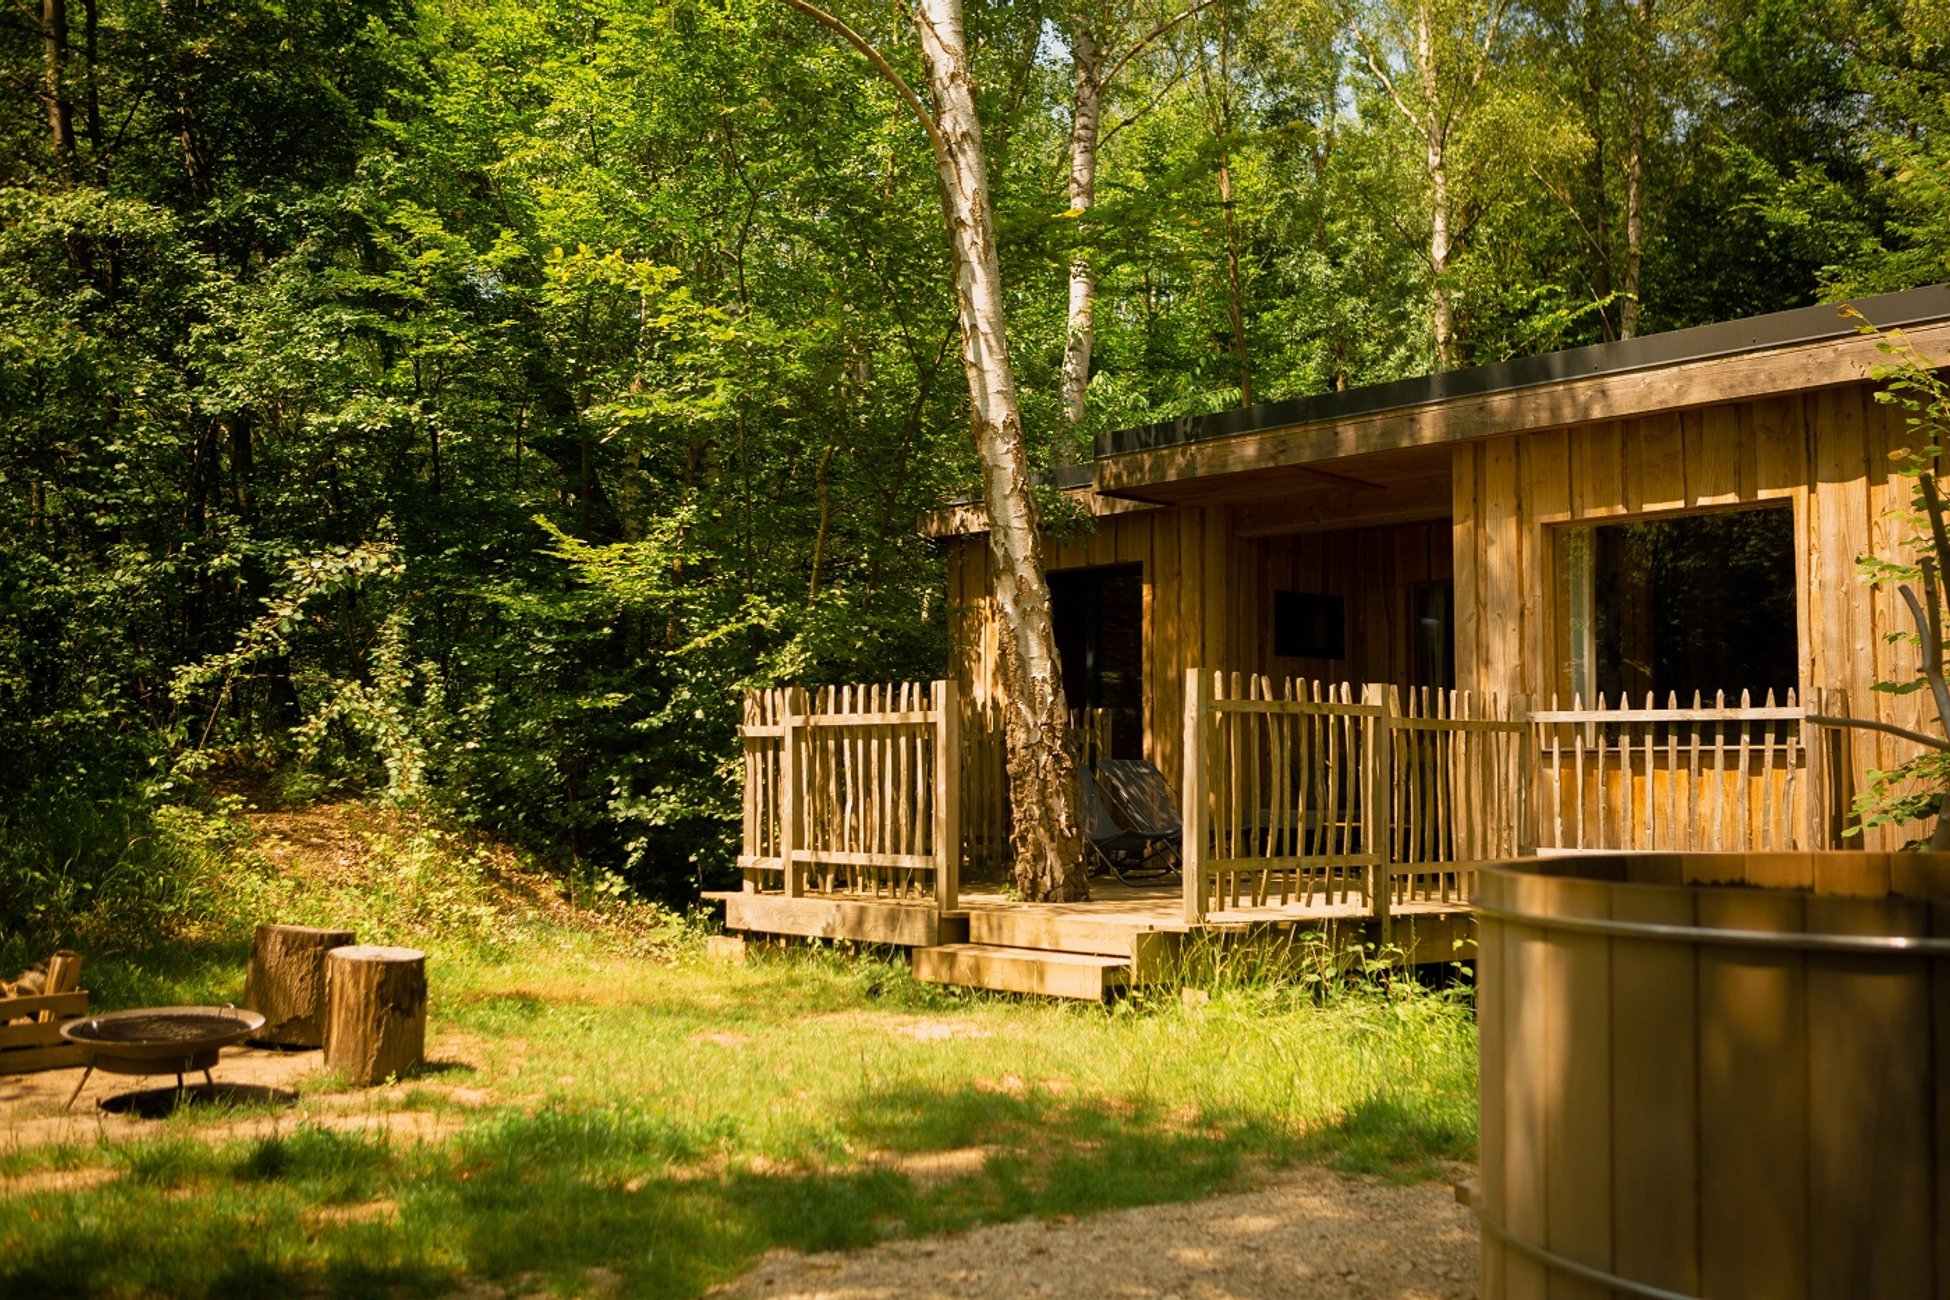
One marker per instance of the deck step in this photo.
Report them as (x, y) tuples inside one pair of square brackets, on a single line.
[(1030, 927), (1022, 970)]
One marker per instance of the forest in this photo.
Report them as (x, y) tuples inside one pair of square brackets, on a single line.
[(457, 402)]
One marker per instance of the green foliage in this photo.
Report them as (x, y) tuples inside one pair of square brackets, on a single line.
[(332, 303), (1915, 790)]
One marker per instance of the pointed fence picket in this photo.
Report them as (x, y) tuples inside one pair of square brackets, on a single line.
[(1710, 776), (853, 792), (1298, 791)]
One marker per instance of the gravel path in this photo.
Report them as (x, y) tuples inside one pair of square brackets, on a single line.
[(1308, 1234)]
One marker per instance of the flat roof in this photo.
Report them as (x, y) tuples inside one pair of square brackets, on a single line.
[(1674, 347)]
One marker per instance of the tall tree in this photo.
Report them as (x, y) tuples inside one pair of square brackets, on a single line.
[(1102, 43), (1042, 770), (1430, 57)]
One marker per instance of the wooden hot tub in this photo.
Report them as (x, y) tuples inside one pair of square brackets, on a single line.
[(1715, 1075)]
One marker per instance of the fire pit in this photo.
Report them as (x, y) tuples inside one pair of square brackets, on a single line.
[(158, 1040)]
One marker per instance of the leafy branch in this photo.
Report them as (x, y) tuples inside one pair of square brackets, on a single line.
[(1915, 789)]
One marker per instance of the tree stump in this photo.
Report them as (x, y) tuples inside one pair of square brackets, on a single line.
[(286, 982), (376, 1012)]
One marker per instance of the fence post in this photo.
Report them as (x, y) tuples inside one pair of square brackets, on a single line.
[(751, 838), (1377, 773), (1194, 815), (1524, 838), (1816, 744), (791, 811), (947, 796)]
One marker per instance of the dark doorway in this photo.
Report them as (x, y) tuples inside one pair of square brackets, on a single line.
[(1432, 635), (1099, 617)]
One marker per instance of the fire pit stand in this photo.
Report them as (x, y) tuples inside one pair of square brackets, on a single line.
[(158, 1040)]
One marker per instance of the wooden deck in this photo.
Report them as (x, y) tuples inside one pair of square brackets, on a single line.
[(1122, 935)]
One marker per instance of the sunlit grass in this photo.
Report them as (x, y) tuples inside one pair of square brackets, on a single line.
[(643, 1110)]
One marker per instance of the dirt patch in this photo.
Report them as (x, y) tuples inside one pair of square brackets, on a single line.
[(384, 1210), (50, 1182), (938, 1031), (929, 1167), (31, 1105), (727, 1039), (1308, 1235), (31, 1113)]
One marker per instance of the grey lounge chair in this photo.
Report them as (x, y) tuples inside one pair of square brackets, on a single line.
[(1130, 819)]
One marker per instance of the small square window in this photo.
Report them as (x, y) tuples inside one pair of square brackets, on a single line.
[(1309, 626)]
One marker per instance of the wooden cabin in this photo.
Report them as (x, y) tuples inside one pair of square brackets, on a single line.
[(1672, 514), (1641, 556)]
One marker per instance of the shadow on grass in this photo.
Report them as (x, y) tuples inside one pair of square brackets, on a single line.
[(523, 1198), (161, 1103), (208, 972), (1404, 1140)]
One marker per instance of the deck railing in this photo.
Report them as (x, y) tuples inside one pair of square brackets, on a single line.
[(985, 814), (1297, 792), (1718, 775), (853, 792), (1460, 785)]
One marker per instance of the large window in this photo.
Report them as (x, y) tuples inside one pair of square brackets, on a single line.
[(1693, 604)]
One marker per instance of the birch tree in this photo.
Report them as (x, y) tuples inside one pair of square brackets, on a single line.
[(1095, 33), (1429, 58), (1042, 771)]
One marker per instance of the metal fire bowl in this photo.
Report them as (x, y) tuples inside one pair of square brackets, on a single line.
[(159, 1040)]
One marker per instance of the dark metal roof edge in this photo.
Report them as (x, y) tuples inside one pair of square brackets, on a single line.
[(1674, 347), (1064, 478)]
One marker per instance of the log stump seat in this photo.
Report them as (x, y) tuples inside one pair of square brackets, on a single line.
[(376, 1012)]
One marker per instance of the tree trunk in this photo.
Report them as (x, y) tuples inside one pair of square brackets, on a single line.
[(1229, 218), (286, 982), (1042, 773), (91, 85), (376, 1021), (1594, 48), (54, 52), (1442, 306), (1080, 335), (1642, 46), (1235, 287)]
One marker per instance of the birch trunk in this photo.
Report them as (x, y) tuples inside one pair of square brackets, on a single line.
[(1080, 335), (1441, 306), (1628, 311), (1042, 773)]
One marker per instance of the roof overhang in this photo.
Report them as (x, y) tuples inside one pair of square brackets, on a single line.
[(1382, 450), (1766, 356)]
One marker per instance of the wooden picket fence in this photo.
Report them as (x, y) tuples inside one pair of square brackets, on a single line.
[(853, 792), (1300, 792), (985, 819), (1459, 789), (1715, 776)]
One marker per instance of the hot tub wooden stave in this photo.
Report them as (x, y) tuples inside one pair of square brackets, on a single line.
[(1715, 1075)]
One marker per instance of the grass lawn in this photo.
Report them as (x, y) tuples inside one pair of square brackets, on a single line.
[(636, 1118)]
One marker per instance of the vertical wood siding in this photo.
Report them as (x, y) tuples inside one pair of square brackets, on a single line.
[(1208, 602), (1826, 453)]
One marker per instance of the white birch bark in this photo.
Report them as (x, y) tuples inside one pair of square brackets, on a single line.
[(1442, 305), (1042, 773), (1080, 334)]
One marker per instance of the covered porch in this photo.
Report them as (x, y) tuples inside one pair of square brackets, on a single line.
[(1357, 814)]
